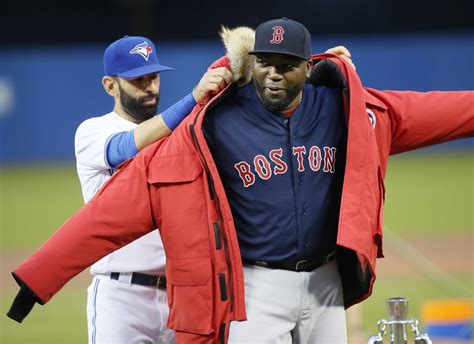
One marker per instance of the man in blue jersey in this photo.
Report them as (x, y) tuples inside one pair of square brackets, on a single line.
[(285, 207)]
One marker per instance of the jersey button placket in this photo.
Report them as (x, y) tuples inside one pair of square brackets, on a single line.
[(292, 129), (297, 182)]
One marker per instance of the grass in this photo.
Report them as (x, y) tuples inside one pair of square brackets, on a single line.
[(430, 193), (62, 320), (35, 201), (426, 194)]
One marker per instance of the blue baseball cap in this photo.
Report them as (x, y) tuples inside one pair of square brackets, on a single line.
[(283, 36), (132, 57)]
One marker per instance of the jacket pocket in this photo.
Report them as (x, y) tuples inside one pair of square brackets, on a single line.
[(189, 284), (179, 205)]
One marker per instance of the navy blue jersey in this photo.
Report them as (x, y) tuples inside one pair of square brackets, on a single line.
[(282, 175)]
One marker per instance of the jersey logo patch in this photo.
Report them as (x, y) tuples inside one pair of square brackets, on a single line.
[(372, 119), (278, 32), (142, 49)]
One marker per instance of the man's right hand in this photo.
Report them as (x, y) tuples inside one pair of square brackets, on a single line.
[(212, 82), (342, 52)]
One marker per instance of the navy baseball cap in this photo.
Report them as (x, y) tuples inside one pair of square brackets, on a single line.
[(131, 57), (283, 36)]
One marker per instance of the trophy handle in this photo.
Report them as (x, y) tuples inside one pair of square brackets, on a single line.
[(423, 338), (376, 340)]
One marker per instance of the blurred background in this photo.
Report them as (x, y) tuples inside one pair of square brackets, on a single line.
[(50, 81)]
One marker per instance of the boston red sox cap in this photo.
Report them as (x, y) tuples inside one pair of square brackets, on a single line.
[(282, 36), (131, 57)]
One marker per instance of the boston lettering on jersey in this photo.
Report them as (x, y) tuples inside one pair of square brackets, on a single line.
[(261, 166)]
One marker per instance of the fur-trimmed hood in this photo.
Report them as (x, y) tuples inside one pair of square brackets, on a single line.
[(238, 43)]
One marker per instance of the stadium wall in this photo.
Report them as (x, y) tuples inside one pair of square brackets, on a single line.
[(46, 91)]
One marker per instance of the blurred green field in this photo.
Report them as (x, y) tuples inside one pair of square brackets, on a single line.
[(35, 200), (426, 194), (430, 193), (62, 320)]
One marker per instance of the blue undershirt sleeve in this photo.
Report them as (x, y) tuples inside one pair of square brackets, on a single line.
[(176, 112), (120, 147)]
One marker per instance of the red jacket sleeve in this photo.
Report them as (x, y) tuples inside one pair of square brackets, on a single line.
[(420, 119), (119, 213)]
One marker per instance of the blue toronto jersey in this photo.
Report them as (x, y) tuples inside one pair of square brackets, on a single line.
[(282, 174)]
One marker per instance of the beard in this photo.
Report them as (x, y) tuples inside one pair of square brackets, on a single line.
[(277, 105), (135, 108)]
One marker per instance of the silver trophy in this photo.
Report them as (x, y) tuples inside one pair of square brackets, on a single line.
[(397, 323)]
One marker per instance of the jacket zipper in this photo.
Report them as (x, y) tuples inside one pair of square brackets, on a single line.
[(219, 213)]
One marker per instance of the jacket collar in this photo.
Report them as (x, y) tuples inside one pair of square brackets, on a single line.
[(370, 99)]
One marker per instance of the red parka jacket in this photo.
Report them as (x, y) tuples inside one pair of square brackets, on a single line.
[(174, 185)]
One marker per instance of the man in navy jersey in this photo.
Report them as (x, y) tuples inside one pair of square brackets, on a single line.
[(285, 207)]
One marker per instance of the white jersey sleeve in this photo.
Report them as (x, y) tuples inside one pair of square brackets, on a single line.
[(90, 145)]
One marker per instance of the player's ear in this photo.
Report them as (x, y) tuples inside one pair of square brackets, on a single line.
[(110, 85), (309, 65)]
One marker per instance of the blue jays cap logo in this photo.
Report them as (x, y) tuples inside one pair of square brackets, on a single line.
[(143, 49)]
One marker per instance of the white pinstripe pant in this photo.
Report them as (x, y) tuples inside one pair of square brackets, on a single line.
[(123, 313)]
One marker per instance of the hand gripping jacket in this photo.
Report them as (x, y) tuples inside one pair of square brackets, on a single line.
[(174, 185)]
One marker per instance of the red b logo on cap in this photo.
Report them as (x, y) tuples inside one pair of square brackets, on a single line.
[(277, 34)]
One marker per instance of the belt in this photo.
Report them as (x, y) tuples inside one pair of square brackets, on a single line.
[(301, 265), (143, 279)]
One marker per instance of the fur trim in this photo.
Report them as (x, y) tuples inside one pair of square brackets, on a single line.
[(238, 43)]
